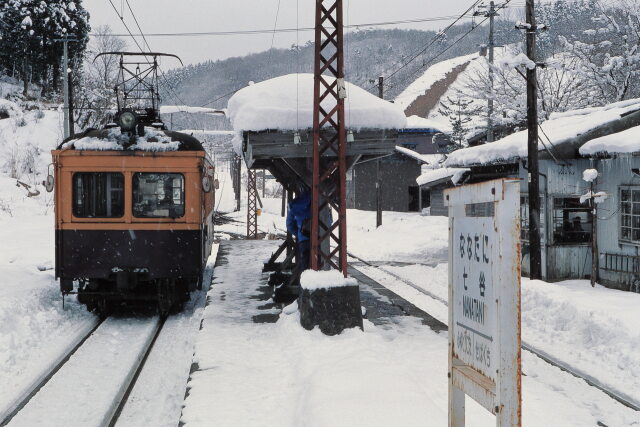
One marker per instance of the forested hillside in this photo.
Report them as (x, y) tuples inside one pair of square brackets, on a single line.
[(369, 54)]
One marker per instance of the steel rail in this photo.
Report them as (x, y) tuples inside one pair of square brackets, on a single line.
[(616, 395), (120, 400), (24, 397)]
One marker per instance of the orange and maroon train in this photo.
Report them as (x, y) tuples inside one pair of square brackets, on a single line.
[(133, 220)]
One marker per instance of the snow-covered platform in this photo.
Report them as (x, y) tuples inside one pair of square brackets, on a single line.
[(254, 365)]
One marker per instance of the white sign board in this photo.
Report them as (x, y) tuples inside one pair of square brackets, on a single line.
[(484, 299)]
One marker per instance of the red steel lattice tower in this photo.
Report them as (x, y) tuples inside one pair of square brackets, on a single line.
[(329, 140), (252, 212)]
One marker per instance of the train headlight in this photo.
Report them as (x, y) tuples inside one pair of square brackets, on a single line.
[(127, 121)]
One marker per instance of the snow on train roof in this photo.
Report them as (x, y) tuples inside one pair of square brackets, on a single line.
[(113, 139), (560, 128), (286, 103)]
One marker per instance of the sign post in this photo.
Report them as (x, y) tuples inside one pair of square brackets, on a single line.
[(484, 300)]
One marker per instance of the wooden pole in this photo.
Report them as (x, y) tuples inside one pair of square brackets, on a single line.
[(532, 125), (594, 239)]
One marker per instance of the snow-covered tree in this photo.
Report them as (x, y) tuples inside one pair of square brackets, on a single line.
[(30, 47), (608, 53), (95, 97)]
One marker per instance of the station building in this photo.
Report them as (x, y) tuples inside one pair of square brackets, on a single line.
[(606, 139)]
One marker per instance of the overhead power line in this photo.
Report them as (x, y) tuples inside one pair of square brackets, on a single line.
[(442, 52), (282, 30), (435, 39)]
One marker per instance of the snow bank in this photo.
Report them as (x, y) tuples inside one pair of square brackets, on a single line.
[(313, 280), (153, 140), (34, 328), (402, 237), (433, 175), (26, 138), (559, 128), (286, 103), (432, 75), (627, 141)]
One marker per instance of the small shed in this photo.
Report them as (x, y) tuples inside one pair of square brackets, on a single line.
[(569, 144), (434, 181), (419, 142)]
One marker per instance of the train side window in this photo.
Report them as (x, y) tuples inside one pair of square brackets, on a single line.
[(158, 195), (98, 195)]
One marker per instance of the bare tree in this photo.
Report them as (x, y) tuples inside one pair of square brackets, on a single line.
[(95, 100)]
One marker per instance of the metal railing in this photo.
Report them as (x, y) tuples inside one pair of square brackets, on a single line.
[(619, 263)]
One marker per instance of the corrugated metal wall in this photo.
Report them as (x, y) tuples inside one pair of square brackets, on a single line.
[(397, 173)]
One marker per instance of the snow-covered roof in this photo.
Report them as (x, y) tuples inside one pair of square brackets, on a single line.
[(113, 139), (286, 103), (559, 129), (417, 122), (429, 159), (432, 75), (434, 175), (168, 109), (627, 141)]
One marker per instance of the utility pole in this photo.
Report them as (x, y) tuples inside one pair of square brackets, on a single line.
[(491, 14), (65, 65), (378, 180), (67, 87), (594, 240), (535, 255)]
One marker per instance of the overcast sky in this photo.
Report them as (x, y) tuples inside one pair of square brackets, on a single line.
[(173, 16)]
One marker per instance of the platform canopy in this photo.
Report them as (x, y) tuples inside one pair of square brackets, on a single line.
[(273, 120)]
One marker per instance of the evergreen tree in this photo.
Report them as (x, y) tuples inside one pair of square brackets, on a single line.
[(29, 49), (460, 113)]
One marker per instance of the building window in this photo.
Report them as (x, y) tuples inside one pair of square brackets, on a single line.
[(524, 219), (630, 214), (571, 221), (158, 195), (98, 195)]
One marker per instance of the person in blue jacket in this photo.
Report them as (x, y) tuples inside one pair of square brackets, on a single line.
[(299, 225)]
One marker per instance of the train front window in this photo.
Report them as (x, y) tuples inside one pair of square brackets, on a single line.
[(158, 195), (98, 195)]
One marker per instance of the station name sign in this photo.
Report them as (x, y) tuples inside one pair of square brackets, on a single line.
[(484, 300)]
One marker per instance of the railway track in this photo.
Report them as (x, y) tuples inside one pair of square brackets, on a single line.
[(25, 395), (64, 391), (618, 396)]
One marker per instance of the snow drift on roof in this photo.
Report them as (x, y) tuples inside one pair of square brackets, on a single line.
[(153, 140), (276, 104), (417, 122), (433, 175), (433, 74), (627, 141), (168, 109), (559, 128), (429, 159)]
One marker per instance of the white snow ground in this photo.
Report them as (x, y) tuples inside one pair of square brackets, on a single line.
[(156, 398), (279, 374), (34, 329), (83, 391)]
